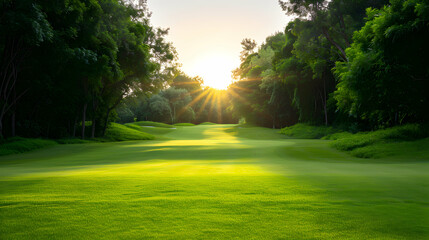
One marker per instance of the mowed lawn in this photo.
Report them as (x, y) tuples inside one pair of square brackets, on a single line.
[(207, 182)]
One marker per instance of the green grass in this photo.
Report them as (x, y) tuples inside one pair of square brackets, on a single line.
[(158, 132), (207, 123), (184, 124), (154, 124), (19, 145), (255, 133), (305, 131), (208, 182), (118, 132)]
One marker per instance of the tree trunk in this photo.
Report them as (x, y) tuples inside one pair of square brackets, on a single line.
[(95, 108), (174, 114), (328, 37), (106, 121), (12, 120), (343, 31), (93, 128), (84, 119), (325, 102), (1, 128), (47, 130), (74, 127)]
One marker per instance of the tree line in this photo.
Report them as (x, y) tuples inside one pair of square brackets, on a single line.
[(186, 100), (68, 64), (358, 64), (68, 68)]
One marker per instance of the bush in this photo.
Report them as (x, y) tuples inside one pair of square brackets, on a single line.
[(118, 132), (21, 145), (306, 131)]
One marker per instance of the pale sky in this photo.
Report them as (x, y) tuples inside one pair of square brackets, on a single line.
[(207, 33)]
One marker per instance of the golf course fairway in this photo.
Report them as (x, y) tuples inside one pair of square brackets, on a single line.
[(211, 182)]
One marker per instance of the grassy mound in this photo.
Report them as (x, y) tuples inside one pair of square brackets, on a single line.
[(207, 123), (305, 131), (153, 124), (20, 145), (118, 132), (379, 143), (419, 149), (254, 133), (375, 144), (151, 130), (184, 124)]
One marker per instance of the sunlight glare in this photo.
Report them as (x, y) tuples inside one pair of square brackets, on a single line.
[(215, 69)]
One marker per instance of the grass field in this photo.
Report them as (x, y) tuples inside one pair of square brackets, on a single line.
[(212, 182)]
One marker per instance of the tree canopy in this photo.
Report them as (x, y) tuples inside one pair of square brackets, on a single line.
[(68, 62), (351, 63)]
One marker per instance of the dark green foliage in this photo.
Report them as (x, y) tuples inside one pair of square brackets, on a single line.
[(386, 80), (360, 65), (76, 61), (20, 145)]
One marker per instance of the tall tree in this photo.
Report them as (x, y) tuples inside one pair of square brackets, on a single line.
[(23, 26)]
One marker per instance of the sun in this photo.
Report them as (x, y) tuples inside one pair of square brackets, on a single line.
[(215, 69)]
